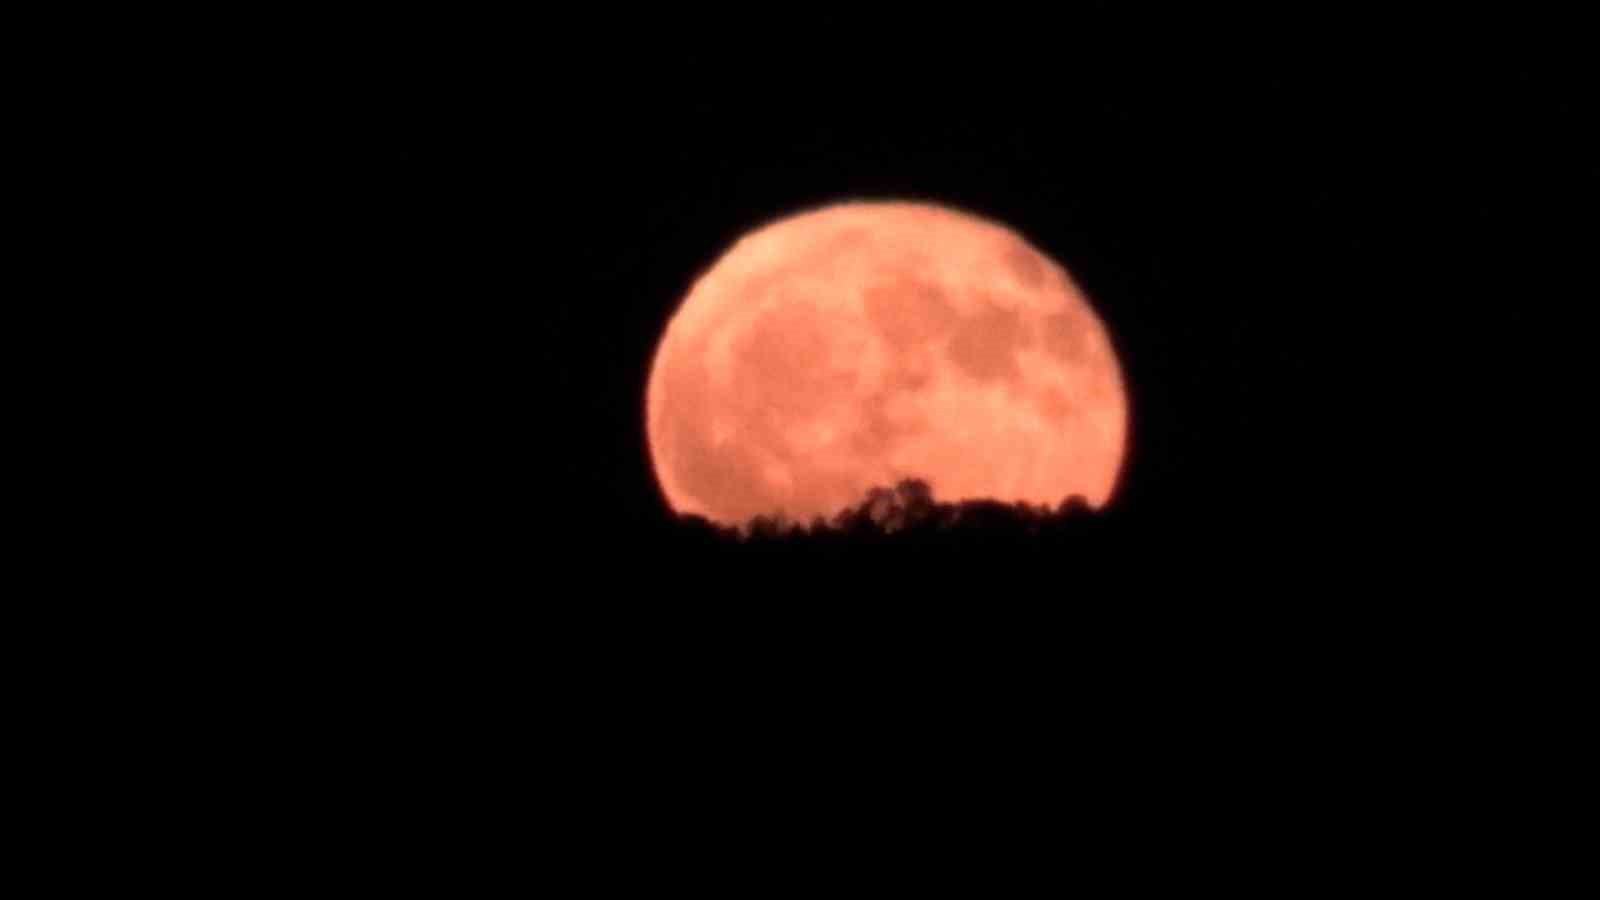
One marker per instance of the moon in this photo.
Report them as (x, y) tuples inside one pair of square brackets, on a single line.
[(852, 346)]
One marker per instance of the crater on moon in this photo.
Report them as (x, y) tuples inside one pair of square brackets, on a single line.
[(855, 345)]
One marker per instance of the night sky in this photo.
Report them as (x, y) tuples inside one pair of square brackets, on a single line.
[(1331, 270), (1304, 259)]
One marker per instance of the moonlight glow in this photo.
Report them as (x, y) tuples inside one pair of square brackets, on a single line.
[(863, 343)]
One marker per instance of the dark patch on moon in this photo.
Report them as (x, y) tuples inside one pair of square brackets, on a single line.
[(845, 240), (783, 364), (1066, 336), (1030, 269), (880, 433), (1053, 403), (986, 344), (905, 378), (908, 311)]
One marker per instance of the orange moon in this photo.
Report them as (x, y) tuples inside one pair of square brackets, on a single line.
[(855, 345)]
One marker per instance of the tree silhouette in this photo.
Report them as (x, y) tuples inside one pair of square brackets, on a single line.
[(907, 512)]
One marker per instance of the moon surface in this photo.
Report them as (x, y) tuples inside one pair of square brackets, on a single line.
[(855, 345)]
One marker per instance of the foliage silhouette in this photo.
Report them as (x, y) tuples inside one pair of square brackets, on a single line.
[(907, 513)]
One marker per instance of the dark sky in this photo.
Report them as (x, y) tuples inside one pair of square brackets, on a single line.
[(1335, 262), (1304, 256)]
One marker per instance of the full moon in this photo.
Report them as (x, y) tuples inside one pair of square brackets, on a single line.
[(859, 344)]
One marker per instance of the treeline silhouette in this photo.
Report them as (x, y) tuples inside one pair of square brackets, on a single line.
[(908, 514), (982, 579), (900, 544)]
